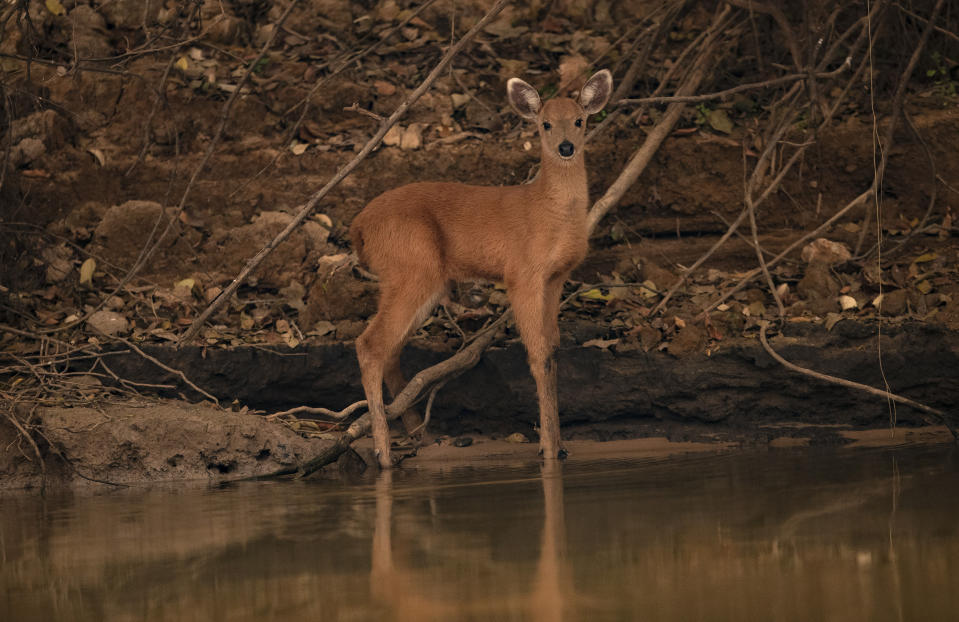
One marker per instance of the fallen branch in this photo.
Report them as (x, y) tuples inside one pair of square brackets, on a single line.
[(316, 410), (441, 372), (344, 171), (940, 416)]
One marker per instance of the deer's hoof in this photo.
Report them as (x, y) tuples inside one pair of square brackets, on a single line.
[(560, 455), (385, 460)]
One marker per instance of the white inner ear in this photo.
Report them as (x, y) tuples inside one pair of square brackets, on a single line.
[(532, 100), (587, 95)]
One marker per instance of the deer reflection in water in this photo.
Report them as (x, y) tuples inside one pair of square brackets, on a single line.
[(407, 592)]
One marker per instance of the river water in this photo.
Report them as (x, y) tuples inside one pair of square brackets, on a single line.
[(797, 534)]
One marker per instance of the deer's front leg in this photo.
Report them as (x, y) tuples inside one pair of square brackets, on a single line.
[(530, 310)]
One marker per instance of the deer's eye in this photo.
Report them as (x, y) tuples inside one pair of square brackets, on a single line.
[(547, 125), (579, 123)]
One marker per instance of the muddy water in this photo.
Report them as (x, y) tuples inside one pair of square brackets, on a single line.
[(783, 535)]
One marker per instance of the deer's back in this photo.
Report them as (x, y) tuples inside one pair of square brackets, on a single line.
[(470, 231)]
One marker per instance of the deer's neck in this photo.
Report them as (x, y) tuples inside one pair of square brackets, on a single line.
[(564, 185)]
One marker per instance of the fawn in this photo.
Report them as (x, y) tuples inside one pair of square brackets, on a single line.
[(420, 237)]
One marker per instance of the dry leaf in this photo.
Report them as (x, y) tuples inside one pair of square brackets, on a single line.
[(602, 344), (720, 121), (831, 319), (847, 303), (86, 271), (98, 154), (55, 7), (412, 137), (290, 339), (246, 322), (324, 220), (323, 327), (393, 136)]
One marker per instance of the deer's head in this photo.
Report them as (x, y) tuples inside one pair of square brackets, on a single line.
[(562, 120)]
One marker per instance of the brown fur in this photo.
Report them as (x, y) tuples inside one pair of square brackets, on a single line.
[(420, 237)]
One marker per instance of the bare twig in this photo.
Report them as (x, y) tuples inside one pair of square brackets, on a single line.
[(637, 164), (348, 168), (862, 198), (898, 99), (163, 366), (338, 65), (148, 124), (948, 33), (689, 99), (940, 416), (780, 19), (36, 450), (326, 412), (355, 107)]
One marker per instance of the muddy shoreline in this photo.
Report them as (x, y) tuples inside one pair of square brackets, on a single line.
[(612, 401)]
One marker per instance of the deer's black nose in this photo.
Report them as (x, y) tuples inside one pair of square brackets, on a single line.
[(566, 149)]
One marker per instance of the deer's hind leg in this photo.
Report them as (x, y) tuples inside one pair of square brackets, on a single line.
[(410, 285), (396, 382)]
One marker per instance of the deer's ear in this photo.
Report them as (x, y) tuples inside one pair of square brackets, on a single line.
[(523, 98), (596, 92)]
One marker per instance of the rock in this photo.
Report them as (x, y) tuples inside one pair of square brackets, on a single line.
[(649, 337), (822, 250), (662, 277), (131, 13), (109, 323), (691, 338), (227, 29), (462, 441), (894, 302), (89, 32), (125, 230), (27, 151), (337, 295), (297, 255), (481, 117), (819, 289), (51, 128), (59, 262)]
